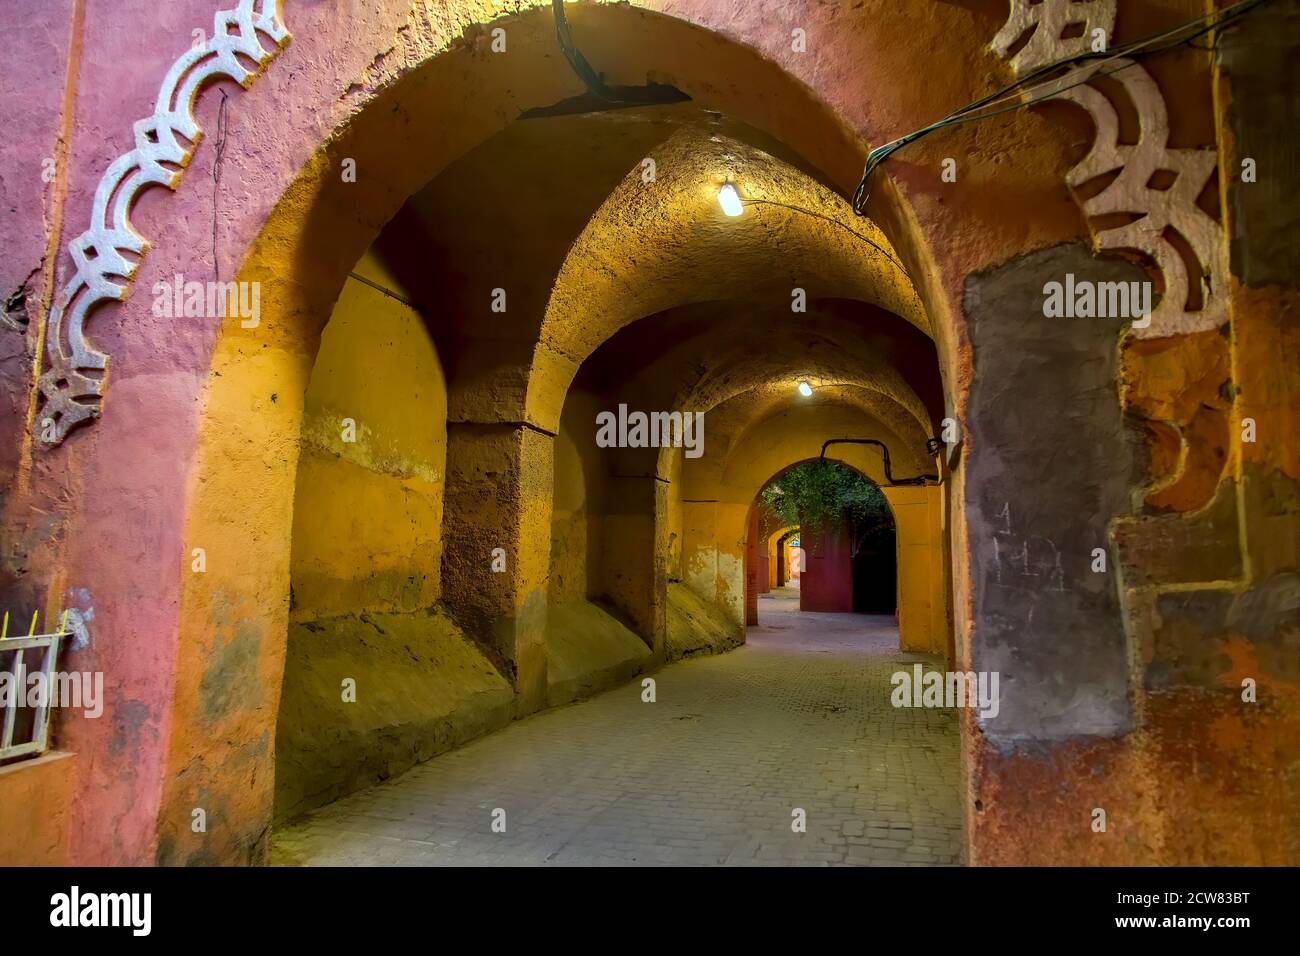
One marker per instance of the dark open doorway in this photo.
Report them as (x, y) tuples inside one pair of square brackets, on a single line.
[(875, 573)]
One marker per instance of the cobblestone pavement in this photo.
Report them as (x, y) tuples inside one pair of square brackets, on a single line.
[(711, 773)]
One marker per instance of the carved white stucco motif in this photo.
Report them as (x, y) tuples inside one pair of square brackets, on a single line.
[(1048, 21), (1162, 208), (72, 386), (1172, 206)]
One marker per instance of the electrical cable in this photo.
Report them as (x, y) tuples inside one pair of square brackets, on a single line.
[(832, 221), (1134, 49), (884, 451), (217, 156), (651, 94), (1023, 90), (385, 290), (586, 72), (1128, 52)]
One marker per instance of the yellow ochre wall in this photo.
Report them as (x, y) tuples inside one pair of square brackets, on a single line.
[(579, 502), (367, 524)]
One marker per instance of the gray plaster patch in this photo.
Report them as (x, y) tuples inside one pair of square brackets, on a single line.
[(1049, 462), (129, 718), (231, 675)]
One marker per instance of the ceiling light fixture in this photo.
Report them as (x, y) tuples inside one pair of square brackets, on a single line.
[(805, 389), (729, 200)]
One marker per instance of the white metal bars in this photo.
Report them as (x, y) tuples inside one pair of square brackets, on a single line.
[(12, 656)]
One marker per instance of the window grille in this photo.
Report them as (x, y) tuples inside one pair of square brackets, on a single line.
[(25, 731)]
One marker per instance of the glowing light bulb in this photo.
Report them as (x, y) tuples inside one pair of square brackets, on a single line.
[(805, 389), (729, 200)]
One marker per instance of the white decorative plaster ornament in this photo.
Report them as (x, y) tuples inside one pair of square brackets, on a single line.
[(1171, 207), (1166, 206), (72, 386), (1049, 20)]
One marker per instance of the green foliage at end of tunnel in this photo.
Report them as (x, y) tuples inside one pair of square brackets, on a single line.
[(824, 496)]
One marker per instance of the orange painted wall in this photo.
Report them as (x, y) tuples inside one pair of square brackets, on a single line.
[(36, 800)]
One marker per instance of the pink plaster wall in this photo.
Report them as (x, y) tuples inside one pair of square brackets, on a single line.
[(102, 527), (32, 88), (116, 491)]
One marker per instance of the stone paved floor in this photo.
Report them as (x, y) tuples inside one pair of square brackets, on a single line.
[(709, 774)]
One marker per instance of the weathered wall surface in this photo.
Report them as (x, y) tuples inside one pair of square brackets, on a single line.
[(1201, 767), (375, 678), (923, 600), (1051, 463), (579, 503), (198, 444), (37, 797), (31, 197), (588, 650), (367, 521), (589, 644), (367, 697), (698, 626), (1258, 67), (674, 516)]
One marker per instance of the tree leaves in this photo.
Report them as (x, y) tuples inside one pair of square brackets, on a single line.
[(823, 496)]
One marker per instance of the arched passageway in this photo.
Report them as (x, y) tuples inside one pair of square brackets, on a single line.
[(850, 562), (641, 569), (519, 372), (542, 325), (423, 608)]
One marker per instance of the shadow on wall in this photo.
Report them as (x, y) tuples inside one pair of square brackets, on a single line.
[(377, 677), (697, 627)]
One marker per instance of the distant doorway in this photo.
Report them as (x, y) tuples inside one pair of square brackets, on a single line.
[(835, 539)]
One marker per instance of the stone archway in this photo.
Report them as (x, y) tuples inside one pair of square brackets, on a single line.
[(777, 565), (719, 511), (853, 587), (196, 447), (920, 545), (258, 377)]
